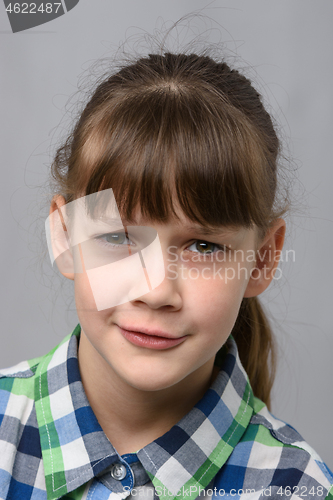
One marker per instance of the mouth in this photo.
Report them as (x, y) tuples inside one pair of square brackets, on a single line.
[(150, 339)]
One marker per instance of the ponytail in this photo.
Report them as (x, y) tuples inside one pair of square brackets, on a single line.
[(256, 347)]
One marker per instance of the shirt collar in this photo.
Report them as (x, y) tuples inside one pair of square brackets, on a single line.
[(75, 448)]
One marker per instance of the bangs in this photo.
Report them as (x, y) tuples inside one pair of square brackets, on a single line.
[(168, 148)]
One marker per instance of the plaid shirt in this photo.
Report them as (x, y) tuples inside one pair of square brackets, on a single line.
[(228, 445)]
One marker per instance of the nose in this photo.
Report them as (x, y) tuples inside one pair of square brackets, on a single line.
[(167, 295)]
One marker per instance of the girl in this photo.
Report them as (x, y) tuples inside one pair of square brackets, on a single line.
[(167, 218)]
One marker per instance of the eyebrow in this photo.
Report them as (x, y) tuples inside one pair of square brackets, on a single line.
[(202, 230), (208, 230), (107, 220)]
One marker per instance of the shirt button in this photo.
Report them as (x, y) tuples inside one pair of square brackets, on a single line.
[(118, 471)]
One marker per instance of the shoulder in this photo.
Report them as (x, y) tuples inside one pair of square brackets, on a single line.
[(21, 389), (17, 389), (21, 385), (19, 436), (273, 460)]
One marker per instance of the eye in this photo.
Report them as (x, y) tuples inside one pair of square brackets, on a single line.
[(114, 239), (205, 247)]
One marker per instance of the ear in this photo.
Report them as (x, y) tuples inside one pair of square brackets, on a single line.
[(268, 256), (59, 239)]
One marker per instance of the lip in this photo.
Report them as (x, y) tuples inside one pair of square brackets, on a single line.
[(151, 339)]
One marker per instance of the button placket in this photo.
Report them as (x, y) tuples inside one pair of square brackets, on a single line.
[(118, 471), (119, 478)]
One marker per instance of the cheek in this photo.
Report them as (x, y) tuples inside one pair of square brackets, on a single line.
[(89, 316), (92, 322), (215, 303), (83, 295)]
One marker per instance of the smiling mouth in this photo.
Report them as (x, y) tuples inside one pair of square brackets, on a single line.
[(151, 340)]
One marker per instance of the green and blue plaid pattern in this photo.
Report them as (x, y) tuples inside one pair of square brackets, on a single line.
[(228, 445)]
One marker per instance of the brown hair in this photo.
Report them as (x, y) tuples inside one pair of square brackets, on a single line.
[(183, 128)]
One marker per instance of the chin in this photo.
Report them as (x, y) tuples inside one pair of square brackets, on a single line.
[(151, 384)]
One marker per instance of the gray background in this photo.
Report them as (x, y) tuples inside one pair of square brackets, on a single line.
[(287, 47)]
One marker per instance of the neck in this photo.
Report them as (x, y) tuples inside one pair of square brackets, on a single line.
[(132, 418)]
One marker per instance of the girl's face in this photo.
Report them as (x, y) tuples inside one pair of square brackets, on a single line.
[(181, 324)]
